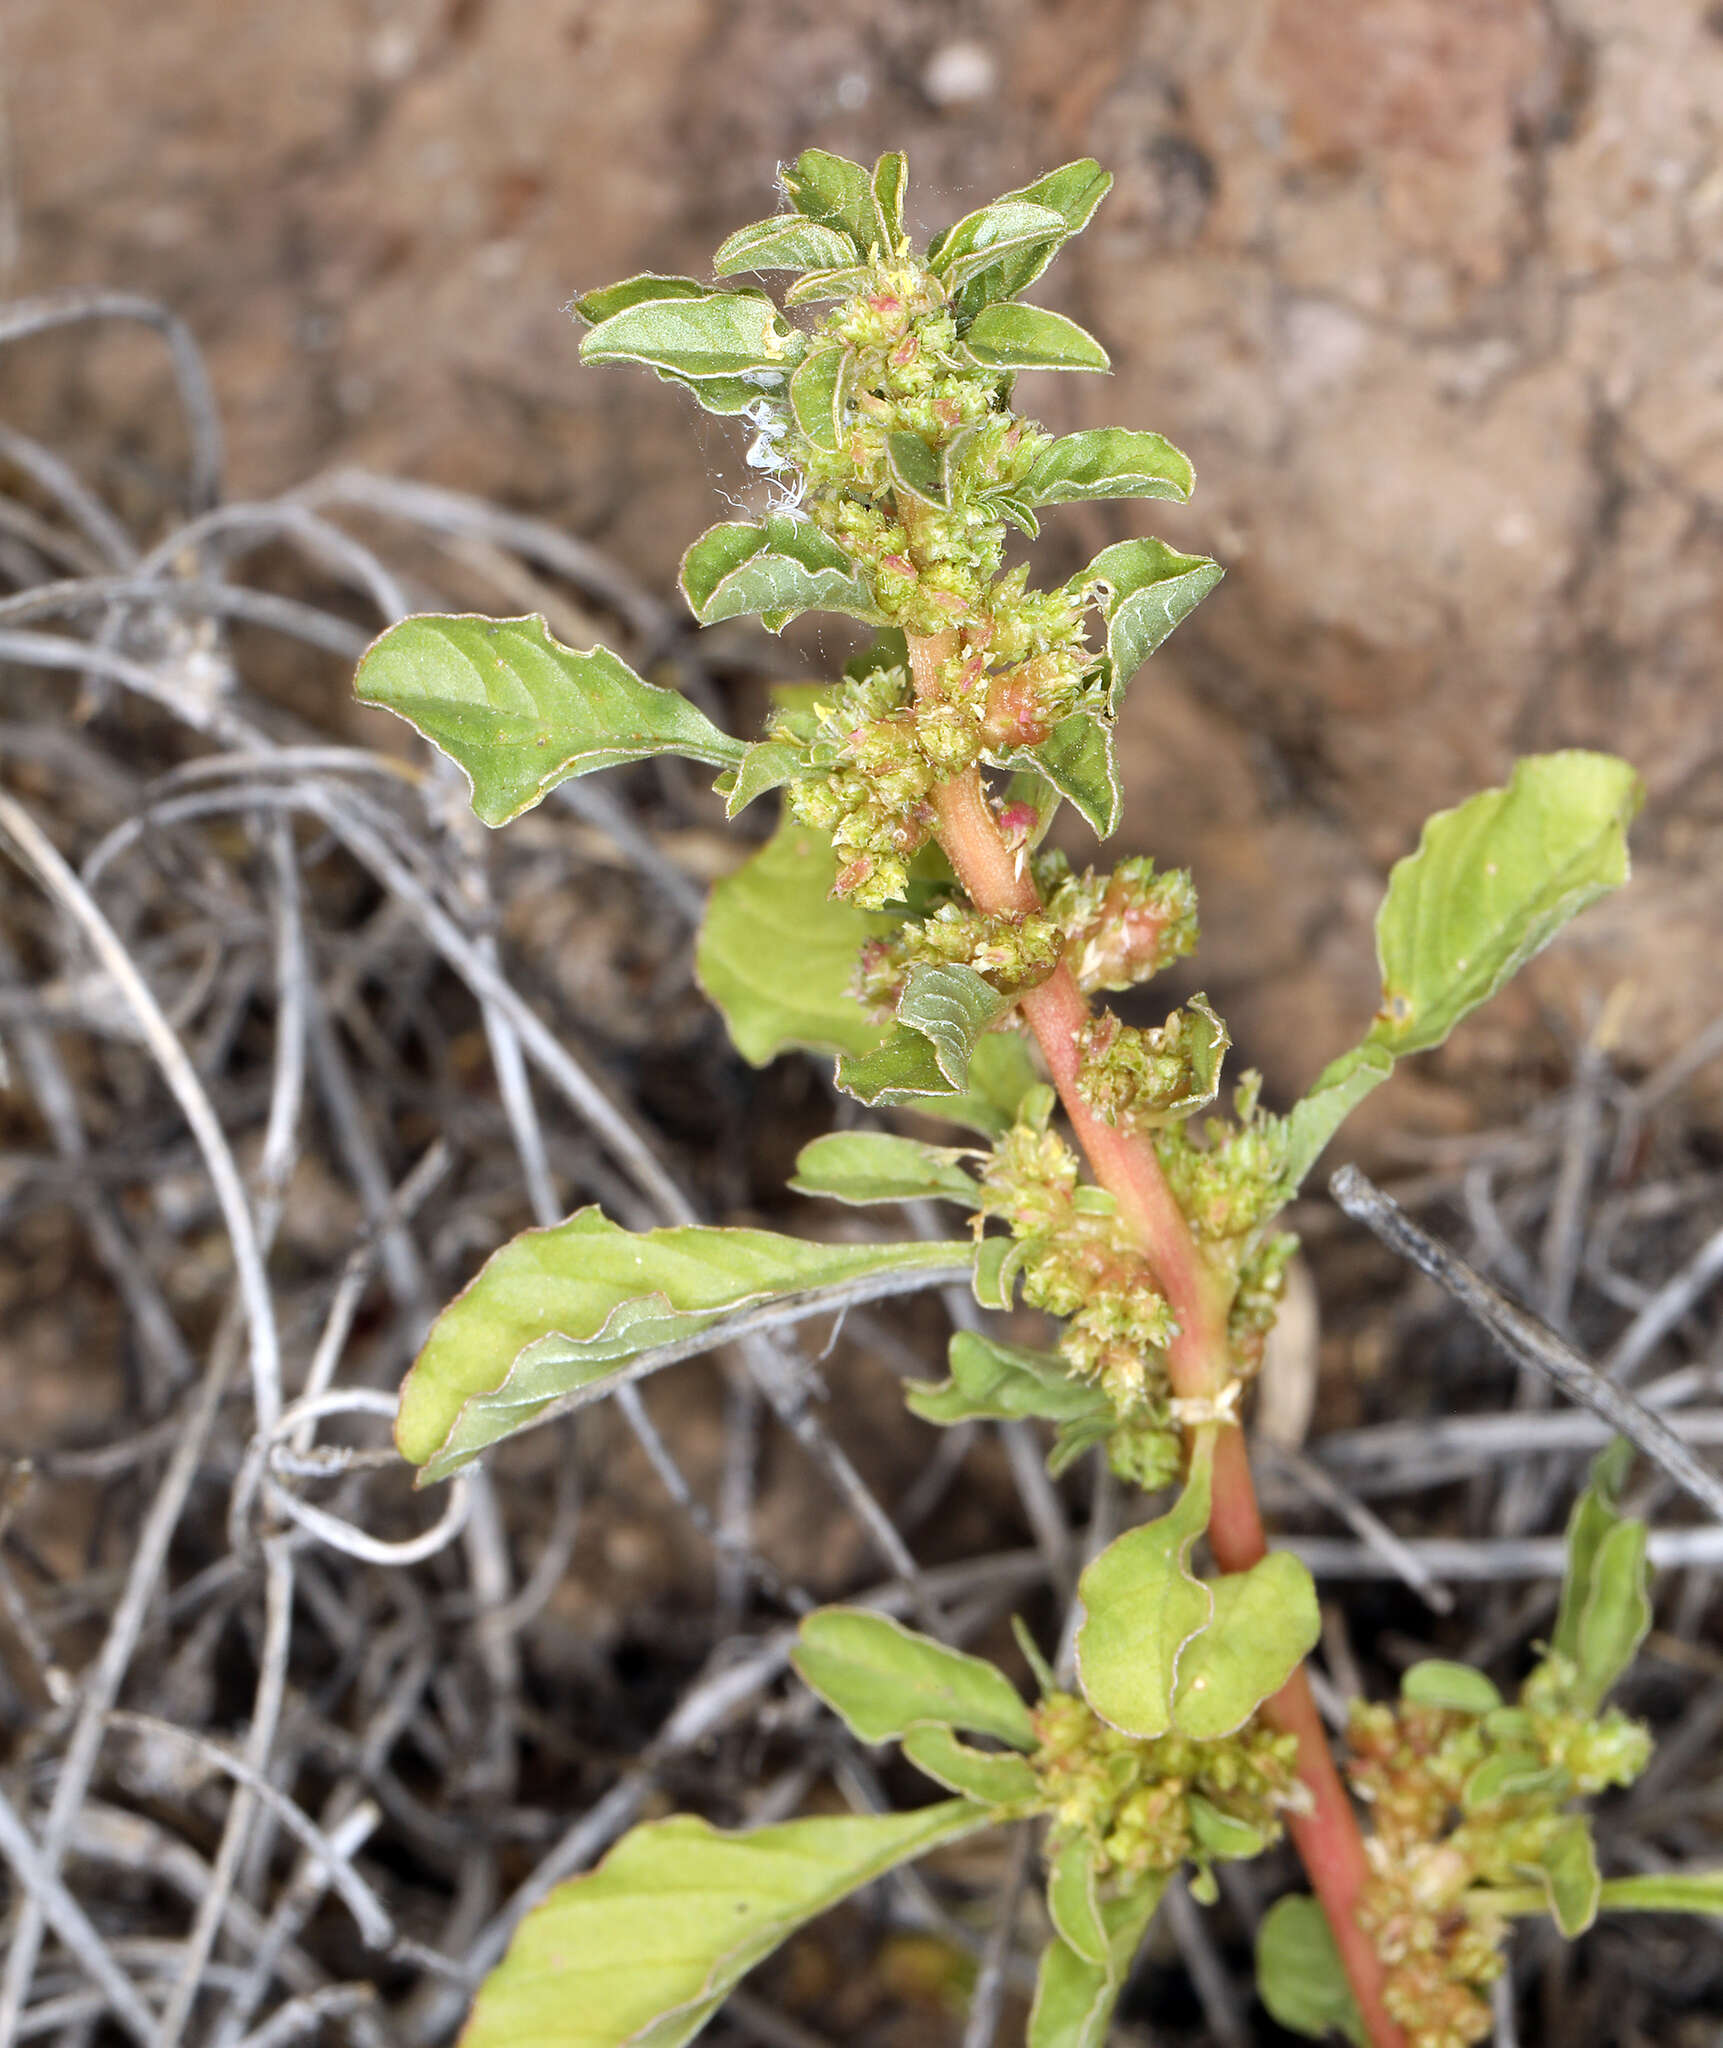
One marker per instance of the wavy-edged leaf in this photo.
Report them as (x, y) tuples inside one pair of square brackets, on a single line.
[(1000, 1779), (1340, 1087), (649, 285), (1299, 1975), (1665, 1891), (832, 190), (1491, 883), (1075, 1996), (889, 182), (560, 1315), (642, 1951), (720, 334), (1438, 1682), (884, 1679), (1150, 588), (1080, 760), (984, 238), (519, 712), (777, 952), (817, 396), (785, 242), (1010, 337), (995, 1382), (1073, 191), (780, 570), (1108, 462), (875, 1166), (942, 1012), (1160, 1650), (1568, 1867)]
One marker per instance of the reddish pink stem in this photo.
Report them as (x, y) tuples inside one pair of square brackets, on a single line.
[(1327, 1837)]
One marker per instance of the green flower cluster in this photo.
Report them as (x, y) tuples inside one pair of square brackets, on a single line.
[(1120, 928), (1145, 1806), (1461, 1800)]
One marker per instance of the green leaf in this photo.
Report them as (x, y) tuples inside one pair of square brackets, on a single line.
[(1605, 1612), (915, 469), (1664, 1891), (1512, 1774), (642, 1951), (1160, 1651), (557, 1315), (721, 334), (1570, 1875), (885, 1679), (785, 242), (1299, 1976), (995, 1382), (777, 951), (942, 1013), (780, 569), (1340, 1087), (982, 239), (1149, 588), (599, 305), (874, 1166), (1435, 1682), (1074, 1901), (1074, 1996), (1073, 191), (817, 395), (836, 192), (766, 765), (890, 179), (1010, 337), (1001, 1073), (1222, 1835), (1108, 462), (827, 284), (1079, 759), (996, 1263), (519, 712), (1491, 883), (991, 1778)]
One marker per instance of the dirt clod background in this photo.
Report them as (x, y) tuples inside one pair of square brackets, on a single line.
[(1432, 291)]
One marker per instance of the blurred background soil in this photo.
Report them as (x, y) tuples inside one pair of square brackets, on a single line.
[(1431, 290)]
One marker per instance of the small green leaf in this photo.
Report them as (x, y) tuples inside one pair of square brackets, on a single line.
[(1340, 1087), (995, 1382), (519, 712), (1491, 883), (874, 1166), (996, 1262), (767, 764), (1299, 1976), (890, 179), (1435, 1682), (1605, 1610), (780, 569), (885, 1679), (1266, 1622), (785, 242), (1149, 588), (915, 469), (1074, 1997), (991, 1778), (988, 235), (1074, 1902), (1108, 462), (828, 284), (722, 334), (1570, 1875), (1665, 1891), (1011, 337), (642, 1951), (817, 395), (901, 1072), (1595, 1513), (558, 1314), (777, 952), (942, 1013), (599, 305), (1079, 758), (1142, 1607), (1222, 1834), (1073, 191), (836, 192), (1512, 1774)]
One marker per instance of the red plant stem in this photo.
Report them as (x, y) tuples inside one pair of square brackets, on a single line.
[(1327, 1838)]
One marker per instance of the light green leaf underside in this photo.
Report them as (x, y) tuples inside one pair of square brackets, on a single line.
[(592, 307), (558, 1312), (720, 334), (1605, 1612), (644, 1949), (1011, 337), (989, 235), (874, 1166), (995, 1382), (519, 713), (780, 569), (1299, 1975), (996, 1778), (1074, 1995), (942, 1015), (1151, 588), (777, 952), (1108, 462), (1438, 1682), (1570, 1876), (884, 1679), (785, 242)]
